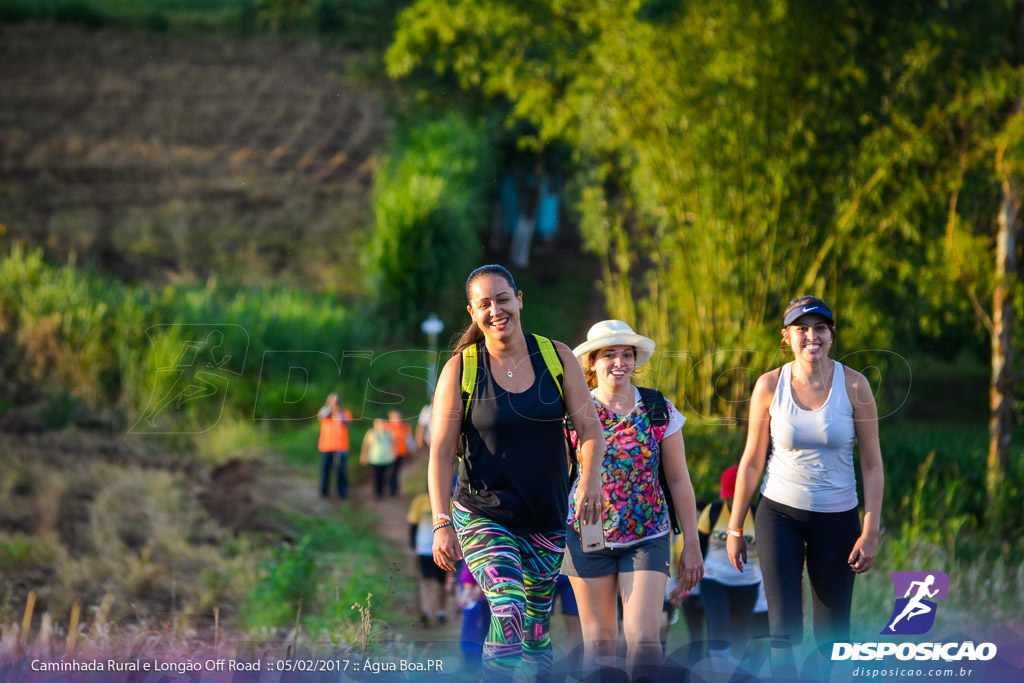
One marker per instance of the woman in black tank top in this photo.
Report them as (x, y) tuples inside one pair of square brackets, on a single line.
[(508, 516)]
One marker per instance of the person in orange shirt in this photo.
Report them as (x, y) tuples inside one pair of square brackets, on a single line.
[(402, 445), (334, 421)]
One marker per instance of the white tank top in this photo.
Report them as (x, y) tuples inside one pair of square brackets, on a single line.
[(811, 464)]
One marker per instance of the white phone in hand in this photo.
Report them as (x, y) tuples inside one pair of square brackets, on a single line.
[(592, 537)]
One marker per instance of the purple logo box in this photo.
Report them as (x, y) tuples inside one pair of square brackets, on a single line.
[(916, 596)]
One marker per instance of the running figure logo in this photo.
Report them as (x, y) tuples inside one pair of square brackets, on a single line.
[(914, 613)]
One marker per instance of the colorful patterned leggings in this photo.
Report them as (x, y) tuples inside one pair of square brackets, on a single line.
[(518, 575)]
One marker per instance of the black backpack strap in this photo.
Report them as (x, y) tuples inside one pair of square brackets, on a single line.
[(656, 408)]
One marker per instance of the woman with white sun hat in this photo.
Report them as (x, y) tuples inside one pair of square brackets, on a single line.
[(635, 561)]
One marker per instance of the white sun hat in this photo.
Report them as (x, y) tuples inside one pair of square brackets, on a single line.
[(615, 333)]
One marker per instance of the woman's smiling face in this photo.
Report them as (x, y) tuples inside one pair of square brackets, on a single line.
[(613, 366), (494, 306), (810, 337)]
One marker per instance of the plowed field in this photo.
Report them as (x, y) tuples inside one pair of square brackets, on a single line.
[(153, 156)]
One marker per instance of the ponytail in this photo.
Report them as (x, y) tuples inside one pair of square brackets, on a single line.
[(470, 337)]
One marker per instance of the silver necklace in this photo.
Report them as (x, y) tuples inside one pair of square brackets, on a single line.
[(507, 372)]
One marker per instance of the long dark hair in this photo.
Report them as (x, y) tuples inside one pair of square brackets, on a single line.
[(474, 334)]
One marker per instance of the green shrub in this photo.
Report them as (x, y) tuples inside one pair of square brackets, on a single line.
[(153, 353), (335, 565), (429, 211)]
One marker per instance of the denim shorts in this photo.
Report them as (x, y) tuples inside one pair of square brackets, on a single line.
[(650, 554)]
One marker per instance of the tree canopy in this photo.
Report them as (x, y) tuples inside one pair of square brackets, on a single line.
[(731, 156)]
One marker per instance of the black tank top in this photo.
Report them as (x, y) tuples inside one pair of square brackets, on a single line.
[(515, 470)]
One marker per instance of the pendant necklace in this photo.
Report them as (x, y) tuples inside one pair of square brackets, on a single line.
[(507, 372)]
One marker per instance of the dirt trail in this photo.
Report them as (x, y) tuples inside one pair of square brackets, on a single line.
[(392, 523)]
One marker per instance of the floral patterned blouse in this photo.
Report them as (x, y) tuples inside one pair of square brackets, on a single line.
[(635, 507)]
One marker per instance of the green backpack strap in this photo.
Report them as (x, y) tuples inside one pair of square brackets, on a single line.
[(469, 365), (470, 361), (552, 361)]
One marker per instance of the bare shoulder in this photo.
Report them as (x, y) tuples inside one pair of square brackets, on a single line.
[(449, 377), (564, 352), (452, 364), (767, 383), (562, 347), (857, 385)]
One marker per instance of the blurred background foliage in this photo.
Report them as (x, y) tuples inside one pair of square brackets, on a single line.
[(430, 192)]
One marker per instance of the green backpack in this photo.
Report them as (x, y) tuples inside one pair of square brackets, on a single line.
[(470, 363)]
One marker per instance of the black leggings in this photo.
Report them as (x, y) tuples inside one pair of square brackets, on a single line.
[(729, 610), (785, 537), (380, 476)]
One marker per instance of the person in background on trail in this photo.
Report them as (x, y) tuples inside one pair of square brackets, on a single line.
[(334, 422), (476, 616), (433, 594), (636, 516), (729, 595), (422, 437), (378, 452), (812, 409), (511, 500), (571, 622), (401, 444), (689, 603)]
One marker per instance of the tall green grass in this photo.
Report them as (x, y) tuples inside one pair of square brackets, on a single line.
[(266, 353), (334, 566), (430, 210)]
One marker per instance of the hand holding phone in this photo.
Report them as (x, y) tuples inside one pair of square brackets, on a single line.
[(592, 537)]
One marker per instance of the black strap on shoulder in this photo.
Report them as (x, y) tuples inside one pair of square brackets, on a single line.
[(654, 405), (656, 408)]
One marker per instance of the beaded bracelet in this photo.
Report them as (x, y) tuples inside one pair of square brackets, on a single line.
[(441, 526)]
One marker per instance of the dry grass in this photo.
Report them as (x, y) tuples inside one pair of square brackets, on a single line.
[(92, 527)]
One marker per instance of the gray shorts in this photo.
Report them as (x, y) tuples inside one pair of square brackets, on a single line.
[(651, 554)]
